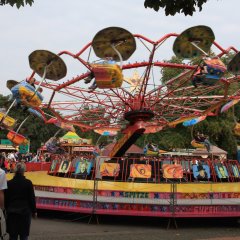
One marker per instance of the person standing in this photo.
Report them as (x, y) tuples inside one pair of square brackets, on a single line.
[(3, 182), (3, 186), (11, 156), (20, 204)]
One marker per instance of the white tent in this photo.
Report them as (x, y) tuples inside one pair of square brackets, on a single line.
[(215, 151)]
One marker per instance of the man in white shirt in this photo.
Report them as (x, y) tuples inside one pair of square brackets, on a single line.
[(11, 156), (3, 184)]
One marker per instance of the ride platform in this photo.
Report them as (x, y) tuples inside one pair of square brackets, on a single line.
[(202, 199)]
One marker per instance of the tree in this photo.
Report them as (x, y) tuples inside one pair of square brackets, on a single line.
[(169, 73), (18, 3), (34, 129), (188, 7), (219, 129)]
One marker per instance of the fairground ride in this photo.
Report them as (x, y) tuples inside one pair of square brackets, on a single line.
[(140, 105), (143, 103)]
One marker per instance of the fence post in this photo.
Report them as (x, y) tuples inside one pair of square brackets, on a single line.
[(173, 203), (95, 194)]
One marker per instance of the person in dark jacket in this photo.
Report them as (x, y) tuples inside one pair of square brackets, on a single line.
[(20, 204)]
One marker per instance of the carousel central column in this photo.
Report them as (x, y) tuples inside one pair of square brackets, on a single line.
[(137, 122)]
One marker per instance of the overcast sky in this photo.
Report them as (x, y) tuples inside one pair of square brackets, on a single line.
[(58, 25)]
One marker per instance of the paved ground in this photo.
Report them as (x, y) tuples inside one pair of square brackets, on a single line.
[(55, 226)]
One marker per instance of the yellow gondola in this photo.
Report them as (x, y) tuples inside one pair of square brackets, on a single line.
[(116, 44), (8, 122), (197, 144), (28, 97), (108, 75), (25, 94), (152, 153), (237, 129)]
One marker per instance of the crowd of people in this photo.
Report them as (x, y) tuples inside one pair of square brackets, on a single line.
[(10, 159)]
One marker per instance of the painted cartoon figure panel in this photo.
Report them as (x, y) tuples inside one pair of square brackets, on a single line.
[(235, 171), (201, 172), (83, 167), (110, 169), (53, 165), (64, 166), (221, 171), (140, 170), (172, 171)]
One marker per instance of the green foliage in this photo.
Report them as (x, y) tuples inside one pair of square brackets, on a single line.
[(227, 58), (91, 116), (3, 101), (220, 132), (168, 139), (17, 3), (89, 135), (171, 7), (169, 73), (175, 138), (34, 128), (219, 129)]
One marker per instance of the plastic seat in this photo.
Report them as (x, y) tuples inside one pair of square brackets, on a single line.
[(237, 129), (8, 122), (216, 70), (197, 144), (17, 138), (25, 94), (108, 75), (152, 153)]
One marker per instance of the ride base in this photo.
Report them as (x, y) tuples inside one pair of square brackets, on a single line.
[(175, 199)]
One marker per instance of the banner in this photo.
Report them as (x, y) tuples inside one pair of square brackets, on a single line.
[(172, 171), (83, 168), (110, 169), (201, 171), (53, 165), (64, 166), (140, 170), (235, 171), (238, 153), (221, 171)]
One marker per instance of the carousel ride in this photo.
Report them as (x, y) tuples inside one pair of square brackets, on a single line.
[(117, 102)]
